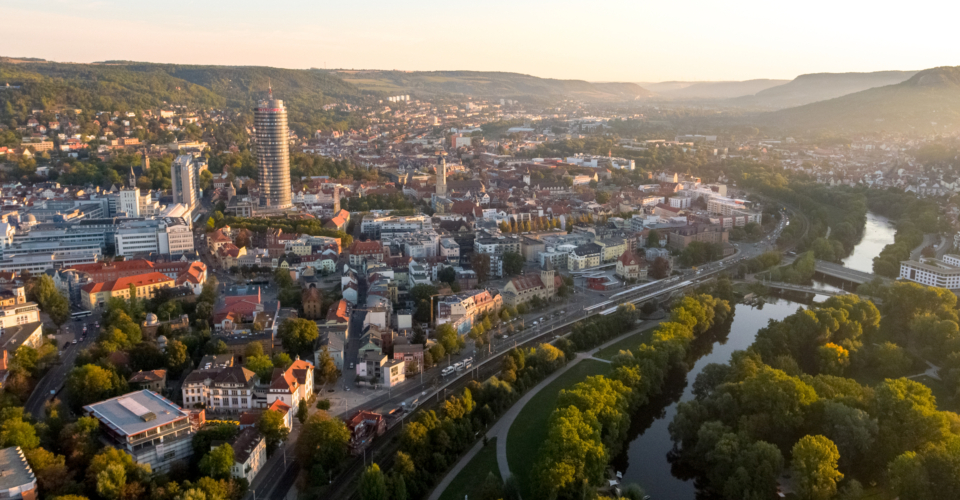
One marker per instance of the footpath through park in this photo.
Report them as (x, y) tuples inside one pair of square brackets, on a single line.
[(502, 427)]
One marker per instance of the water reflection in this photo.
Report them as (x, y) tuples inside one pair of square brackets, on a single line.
[(645, 460), (877, 234)]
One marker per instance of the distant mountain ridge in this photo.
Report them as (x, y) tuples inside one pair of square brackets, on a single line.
[(814, 87), (710, 90), (928, 102), (488, 84)]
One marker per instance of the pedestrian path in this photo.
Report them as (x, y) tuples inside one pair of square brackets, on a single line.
[(502, 427)]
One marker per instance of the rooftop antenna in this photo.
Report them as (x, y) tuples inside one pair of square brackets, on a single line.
[(269, 89)]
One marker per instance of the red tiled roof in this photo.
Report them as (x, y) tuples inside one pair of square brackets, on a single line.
[(280, 406), (138, 280), (629, 259), (338, 312), (366, 247), (122, 266)]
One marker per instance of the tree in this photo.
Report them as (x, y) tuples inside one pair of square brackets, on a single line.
[(110, 482), (372, 484), (176, 356), (512, 263), (492, 488), (261, 365), (660, 268), (273, 428), (14, 431), (298, 335), (281, 360), (447, 275), (50, 469), (218, 462), (480, 263), (891, 360), (50, 300), (815, 463), (327, 371), (302, 410), (653, 239), (90, 383), (323, 442), (447, 336), (253, 349), (216, 347)]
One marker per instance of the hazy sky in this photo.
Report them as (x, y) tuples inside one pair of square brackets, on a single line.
[(597, 40)]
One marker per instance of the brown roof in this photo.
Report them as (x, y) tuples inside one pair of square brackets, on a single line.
[(148, 376), (529, 282), (245, 443), (629, 259), (234, 375)]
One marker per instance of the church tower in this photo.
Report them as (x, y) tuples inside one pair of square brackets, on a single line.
[(131, 179), (146, 161), (442, 177)]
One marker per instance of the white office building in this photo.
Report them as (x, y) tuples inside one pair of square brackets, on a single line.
[(185, 180), (168, 236), (943, 273)]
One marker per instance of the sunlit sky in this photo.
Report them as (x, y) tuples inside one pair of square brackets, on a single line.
[(596, 40)]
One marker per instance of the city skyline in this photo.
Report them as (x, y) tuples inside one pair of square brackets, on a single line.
[(620, 42)]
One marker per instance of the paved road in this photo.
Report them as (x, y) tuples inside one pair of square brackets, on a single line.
[(928, 239), (54, 379)]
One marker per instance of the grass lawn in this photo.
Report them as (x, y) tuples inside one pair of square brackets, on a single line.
[(470, 480), (629, 343), (529, 430)]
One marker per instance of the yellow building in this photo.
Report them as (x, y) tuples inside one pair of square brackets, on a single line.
[(612, 249), (523, 289), (95, 295)]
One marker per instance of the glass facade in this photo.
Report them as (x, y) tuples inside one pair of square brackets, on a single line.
[(273, 154)]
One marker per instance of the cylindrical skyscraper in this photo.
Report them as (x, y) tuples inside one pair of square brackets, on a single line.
[(273, 153)]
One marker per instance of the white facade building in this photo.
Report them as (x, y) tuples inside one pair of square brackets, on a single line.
[(943, 273)]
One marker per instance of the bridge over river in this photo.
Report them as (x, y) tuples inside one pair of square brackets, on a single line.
[(840, 272)]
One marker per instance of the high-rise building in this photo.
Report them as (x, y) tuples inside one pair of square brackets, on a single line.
[(273, 154), (184, 178), (442, 178)]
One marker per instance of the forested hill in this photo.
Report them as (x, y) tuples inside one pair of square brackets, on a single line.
[(132, 85), (806, 89), (489, 84), (122, 86), (929, 102)]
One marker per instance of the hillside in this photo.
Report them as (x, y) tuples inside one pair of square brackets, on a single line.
[(928, 102), (710, 90), (488, 84), (124, 85), (806, 89)]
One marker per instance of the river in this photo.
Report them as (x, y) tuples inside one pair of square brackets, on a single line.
[(877, 234), (645, 459)]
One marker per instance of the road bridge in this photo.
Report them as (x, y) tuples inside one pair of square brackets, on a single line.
[(841, 272)]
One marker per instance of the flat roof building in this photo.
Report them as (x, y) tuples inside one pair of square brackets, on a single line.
[(16, 477), (147, 426), (943, 273)]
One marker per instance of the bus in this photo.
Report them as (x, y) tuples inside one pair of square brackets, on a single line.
[(81, 314)]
